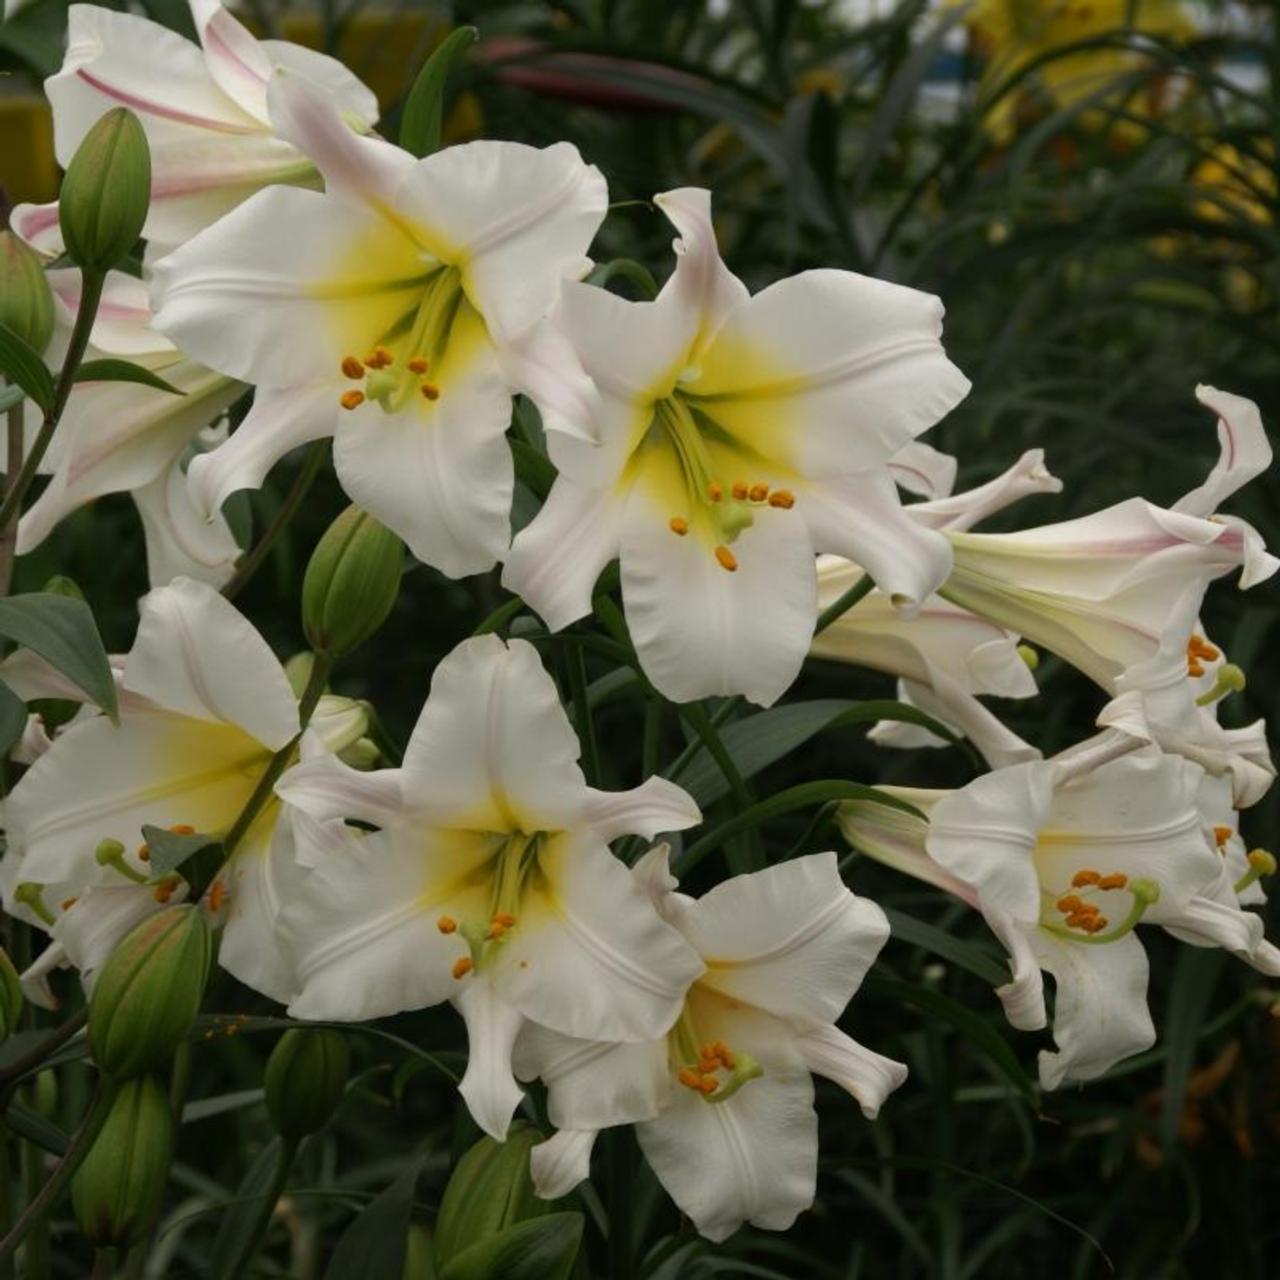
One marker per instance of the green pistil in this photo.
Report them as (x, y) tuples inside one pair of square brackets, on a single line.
[(1230, 680), (517, 862), (745, 1068), (1261, 863), (1144, 894), (728, 516), (31, 895), (110, 853)]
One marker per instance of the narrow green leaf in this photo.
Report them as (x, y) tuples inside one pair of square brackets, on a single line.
[(627, 269), (123, 371), (960, 953), (63, 632), (242, 1214), (31, 1125), (13, 718), (422, 121), (971, 1027), (759, 740), (1195, 976), (373, 1246), (536, 1249), (21, 363)]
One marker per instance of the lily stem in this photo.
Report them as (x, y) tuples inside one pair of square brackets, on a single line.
[(13, 465), (48, 1194), (253, 1237), (838, 608), (90, 296), (45, 1049), (252, 560)]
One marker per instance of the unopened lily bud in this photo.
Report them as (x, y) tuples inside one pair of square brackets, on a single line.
[(118, 1190), (362, 754), (149, 991), (489, 1191), (306, 1075), (26, 303), (351, 583), (61, 585), (10, 997), (298, 671), (106, 191)]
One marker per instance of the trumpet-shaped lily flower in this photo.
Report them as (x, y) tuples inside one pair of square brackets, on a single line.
[(126, 436), (204, 706), (373, 312), (737, 435), (1064, 858), (1103, 591), (203, 108), (723, 1104), (490, 882), (943, 657), (957, 512)]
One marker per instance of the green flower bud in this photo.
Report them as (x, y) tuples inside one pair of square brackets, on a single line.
[(26, 304), (305, 1077), (106, 192), (149, 991), (351, 583), (298, 669), (61, 585), (10, 997), (490, 1190), (119, 1188)]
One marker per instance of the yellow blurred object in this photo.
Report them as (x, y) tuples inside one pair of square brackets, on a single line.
[(1241, 185), (29, 171), (1011, 34)]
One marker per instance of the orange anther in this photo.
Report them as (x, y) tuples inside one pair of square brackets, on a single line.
[(739, 491), (1071, 902), (1082, 878), (164, 890), (68, 903), (678, 525), (708, 1084), (462, 966), (351, 399), (495, 931), (430, 391), (1116, 880), (1079, 919), (1095, 924), (182, 829), (1199, 648), (714, 492), (217, 895), (708, 1066), (352, 368), (1221, 835), (447, 924), (759, 492), (688, 1077), (144, 852), (783, 498), (504, 918), (727, 559), (380, 358), (419, 365)]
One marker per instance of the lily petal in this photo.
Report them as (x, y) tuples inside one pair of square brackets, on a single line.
[(561, 1162), (653, 808), (196, 654), (488, 1086), (180, 542), (866, 1076)]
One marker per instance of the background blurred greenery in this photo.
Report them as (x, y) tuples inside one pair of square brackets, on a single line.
[(1091, 189)]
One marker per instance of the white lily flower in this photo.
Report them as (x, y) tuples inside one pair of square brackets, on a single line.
[(961, 511), (943, 657), (490, 883), (205, 705), (1102, 591), (1064, 858), (203, 108), (920, 469), (1172, 700), (738, 434), (723, 1104), (372, 313), (127, 437)]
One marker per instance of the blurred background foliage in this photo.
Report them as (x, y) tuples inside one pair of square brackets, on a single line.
[(1091, 188)]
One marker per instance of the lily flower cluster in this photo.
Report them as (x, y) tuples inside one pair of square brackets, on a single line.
[(754, 463)]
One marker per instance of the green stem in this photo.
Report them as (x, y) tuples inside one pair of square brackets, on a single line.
[(48, 1194), (104, 1264), (47, 1047), (577, 667), (253, 1238), (252, 560), (860, 589), (90, 295), (696, 716), (13, 465)]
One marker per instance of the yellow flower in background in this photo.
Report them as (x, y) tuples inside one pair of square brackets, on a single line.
[(1012, 34), (1238, 186)]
